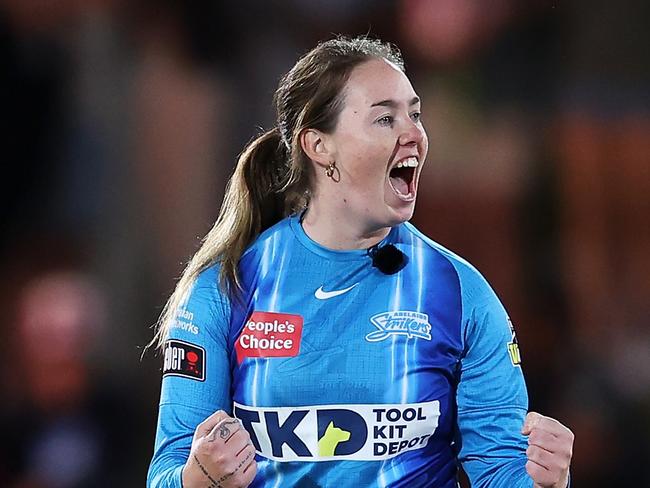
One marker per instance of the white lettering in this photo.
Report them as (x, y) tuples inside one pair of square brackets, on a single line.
[(270, 327), (380, 437), (252, 342), (187, 326), (174, 357)]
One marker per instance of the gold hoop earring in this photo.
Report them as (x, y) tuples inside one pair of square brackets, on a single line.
[(333, 172)]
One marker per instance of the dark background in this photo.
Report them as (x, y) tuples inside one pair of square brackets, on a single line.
[(121, 122)]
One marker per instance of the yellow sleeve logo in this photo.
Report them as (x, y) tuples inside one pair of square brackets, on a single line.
[(513, 346)]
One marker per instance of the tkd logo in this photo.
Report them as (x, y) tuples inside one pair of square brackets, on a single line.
[(321, 433), (340, 432)]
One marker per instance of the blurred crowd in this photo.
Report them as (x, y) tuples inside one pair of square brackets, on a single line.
[(124, 119)]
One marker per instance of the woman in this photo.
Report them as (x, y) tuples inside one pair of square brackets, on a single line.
[(316, 338)]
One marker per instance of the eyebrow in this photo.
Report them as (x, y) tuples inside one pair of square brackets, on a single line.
[(392, 103)]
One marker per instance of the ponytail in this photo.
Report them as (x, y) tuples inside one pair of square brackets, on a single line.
[(272, 176), (264, 188)]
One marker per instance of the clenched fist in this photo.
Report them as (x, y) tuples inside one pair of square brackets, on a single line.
[(550, 447), (222, 455)]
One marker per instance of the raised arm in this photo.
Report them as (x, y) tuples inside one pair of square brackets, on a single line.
[(496, 449), (195, 385)]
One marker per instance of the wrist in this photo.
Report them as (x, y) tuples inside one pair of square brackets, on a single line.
[(188, 477)]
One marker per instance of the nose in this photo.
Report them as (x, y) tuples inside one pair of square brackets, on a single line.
[(412, 133)]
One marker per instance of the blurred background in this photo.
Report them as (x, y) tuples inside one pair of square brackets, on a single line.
[(122, 122)]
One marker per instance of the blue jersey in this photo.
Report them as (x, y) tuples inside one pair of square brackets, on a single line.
[(344, 375)]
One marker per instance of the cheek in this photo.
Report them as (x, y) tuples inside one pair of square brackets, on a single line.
[(365, 158), (424, 144), (362, 161), (371, 169)]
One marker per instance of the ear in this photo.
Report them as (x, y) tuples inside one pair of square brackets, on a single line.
[(316, 146)]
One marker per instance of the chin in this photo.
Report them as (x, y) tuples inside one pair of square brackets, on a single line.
[(401, 214)]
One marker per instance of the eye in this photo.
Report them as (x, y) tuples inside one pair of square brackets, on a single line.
[(386, 120), (416, 116)]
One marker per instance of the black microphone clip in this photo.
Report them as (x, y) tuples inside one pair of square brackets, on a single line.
[(387, 259)]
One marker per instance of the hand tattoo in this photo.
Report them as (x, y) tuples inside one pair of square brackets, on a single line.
[(239, 466), (213, 482), (224, 431), (217, 483)]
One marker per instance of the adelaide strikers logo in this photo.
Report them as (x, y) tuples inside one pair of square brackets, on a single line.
[(402, 322)]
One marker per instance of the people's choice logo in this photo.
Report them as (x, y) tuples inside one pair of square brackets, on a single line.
[(410, 324), (339, 432), (324, 295), (269, 334)]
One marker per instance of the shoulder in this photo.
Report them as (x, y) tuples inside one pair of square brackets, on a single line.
[(206, 284), (279, 232), (466, 271), (205, 295), (203, 311), (208, 278), (472, 283)]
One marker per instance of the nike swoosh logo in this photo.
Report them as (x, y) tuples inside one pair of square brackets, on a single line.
[(324, 295)]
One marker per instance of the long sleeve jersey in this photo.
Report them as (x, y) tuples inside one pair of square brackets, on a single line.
[(347, 376)]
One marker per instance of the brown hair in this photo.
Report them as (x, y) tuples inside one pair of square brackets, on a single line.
[(272, 178)]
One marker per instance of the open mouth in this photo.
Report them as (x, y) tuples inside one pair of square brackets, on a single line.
[(402, 177)]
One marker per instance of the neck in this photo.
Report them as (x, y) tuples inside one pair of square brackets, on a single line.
[(339, 230)]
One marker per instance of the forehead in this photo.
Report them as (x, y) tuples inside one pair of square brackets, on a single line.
[(377, 80)]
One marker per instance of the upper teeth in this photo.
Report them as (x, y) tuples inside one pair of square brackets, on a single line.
[(408, 163)]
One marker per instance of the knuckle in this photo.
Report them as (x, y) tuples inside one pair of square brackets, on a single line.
[(220, 459), (564, 465), (568, 452), (571, 435), (210, 449), (531, 452), (198, 433), (558, 464), (200, 446), (532, 469)]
